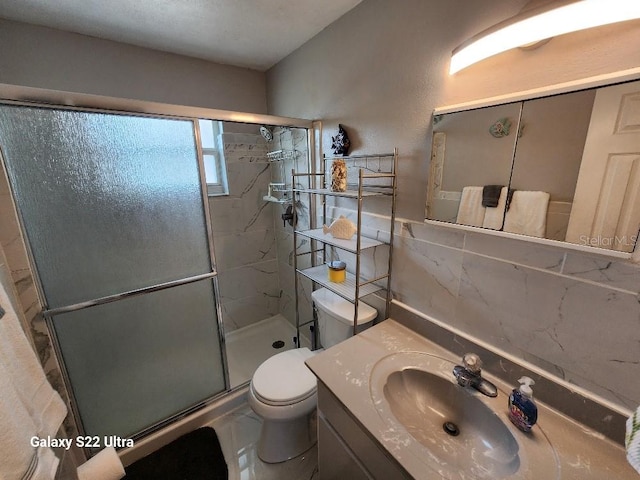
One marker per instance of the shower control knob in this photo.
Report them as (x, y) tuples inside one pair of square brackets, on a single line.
[(287, 216)]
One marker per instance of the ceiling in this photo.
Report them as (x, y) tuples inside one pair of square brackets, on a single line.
[(254, 34)]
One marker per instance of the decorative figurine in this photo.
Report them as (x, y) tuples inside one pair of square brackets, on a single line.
[(341, 228), (338, 176), (501, 128), (341, 142)]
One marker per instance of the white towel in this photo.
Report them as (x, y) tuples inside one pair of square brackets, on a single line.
[(471, 211), (494, 216), (106, 465), (29, 407), (632, 440), (527, 214)]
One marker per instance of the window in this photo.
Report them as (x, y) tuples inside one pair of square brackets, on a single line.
[(215, 171)]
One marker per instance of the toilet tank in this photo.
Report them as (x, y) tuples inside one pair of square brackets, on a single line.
[(335, 317)]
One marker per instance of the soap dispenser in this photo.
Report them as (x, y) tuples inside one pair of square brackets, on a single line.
[(523, 411)]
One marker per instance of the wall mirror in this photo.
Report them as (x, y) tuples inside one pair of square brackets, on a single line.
[(563, 167)]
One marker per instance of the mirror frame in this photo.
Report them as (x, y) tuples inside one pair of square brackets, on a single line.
[(555, 89)]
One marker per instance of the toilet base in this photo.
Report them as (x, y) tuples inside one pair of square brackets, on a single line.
[(283, 393), (283, 440)]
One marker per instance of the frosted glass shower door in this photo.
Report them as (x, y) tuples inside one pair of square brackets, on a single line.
[(113, 210)]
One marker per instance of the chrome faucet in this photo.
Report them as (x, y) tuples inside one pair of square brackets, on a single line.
[(469, 375)]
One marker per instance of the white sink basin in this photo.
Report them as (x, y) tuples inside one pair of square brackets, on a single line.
[(456, 431)]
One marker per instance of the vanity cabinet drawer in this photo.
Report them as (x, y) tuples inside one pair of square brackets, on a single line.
[(335, 459)]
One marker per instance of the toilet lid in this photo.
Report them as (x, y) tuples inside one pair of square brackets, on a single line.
[(284, 378), (342, 309)]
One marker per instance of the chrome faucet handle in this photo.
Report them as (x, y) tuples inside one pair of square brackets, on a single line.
[(472, 362)]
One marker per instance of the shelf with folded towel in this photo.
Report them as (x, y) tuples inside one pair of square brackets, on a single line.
[(516, 211)]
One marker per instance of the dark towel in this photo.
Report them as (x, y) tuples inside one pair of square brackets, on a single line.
[(491, 195), (194, 456)]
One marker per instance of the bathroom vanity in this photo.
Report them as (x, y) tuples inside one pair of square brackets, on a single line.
[(385, 395)]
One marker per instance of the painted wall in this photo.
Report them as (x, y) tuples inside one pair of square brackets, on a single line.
[(380, 70), (42, 57)]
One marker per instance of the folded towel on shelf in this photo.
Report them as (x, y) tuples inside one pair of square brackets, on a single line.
[(494, 217), (29, 407), (491, 195), (471, 212), (527, 214), (632, 440)]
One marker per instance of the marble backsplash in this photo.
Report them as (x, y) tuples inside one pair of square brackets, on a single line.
[(575, 315)]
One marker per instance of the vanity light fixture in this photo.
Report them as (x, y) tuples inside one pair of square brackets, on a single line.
[(540, 23)]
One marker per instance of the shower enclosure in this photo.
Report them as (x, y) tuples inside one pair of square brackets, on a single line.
[(114, 209), (254, 243)]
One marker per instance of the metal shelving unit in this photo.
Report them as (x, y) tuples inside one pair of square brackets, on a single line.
[(371, 183)]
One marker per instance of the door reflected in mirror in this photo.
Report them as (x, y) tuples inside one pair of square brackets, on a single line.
[(563, 167)]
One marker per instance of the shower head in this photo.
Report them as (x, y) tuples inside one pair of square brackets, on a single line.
[(266, 133)]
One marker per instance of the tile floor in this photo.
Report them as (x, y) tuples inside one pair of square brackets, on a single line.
[(238, 432)]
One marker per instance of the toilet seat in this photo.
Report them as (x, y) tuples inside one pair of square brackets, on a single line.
[(284, 379)]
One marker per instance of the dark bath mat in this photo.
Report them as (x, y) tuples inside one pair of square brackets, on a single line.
[(194, 456)]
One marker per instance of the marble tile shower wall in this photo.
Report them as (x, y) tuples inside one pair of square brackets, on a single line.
[(244, 236), (292, 139), (572, 314)]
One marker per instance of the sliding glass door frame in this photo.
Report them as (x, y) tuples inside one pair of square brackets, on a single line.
[(42, 98)]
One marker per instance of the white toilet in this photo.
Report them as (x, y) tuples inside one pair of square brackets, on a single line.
[(283, 389)]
